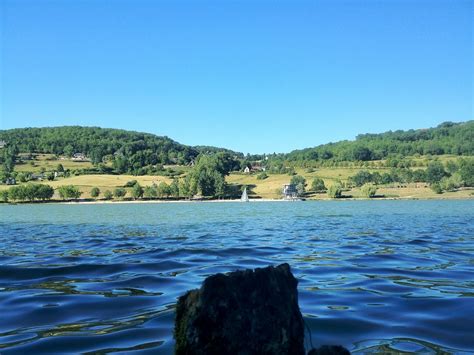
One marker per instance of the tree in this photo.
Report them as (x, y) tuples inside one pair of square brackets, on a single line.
[(44, 192), (361, 153), (8, 158), (95, 192), (60, 168), (4, 195), (318, 185), (68, 150), (291, 171), (361, 177), (335, 191), (185, 188), (31, 192), (120, 192), (120, 164), (219, 184), (131, 183), (466, 171), (451, 167), (137, 191), (150, 191), (96, 155), (163, 190), (435, 172), (436, 187), (418, 175), (368, 190), (451, 183), (262, 176), (208, 175), (23, 177), (174, 188), (108, 194), (69, 192), (300, 183)]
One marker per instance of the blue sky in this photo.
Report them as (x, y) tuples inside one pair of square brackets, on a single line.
[(254, 76)]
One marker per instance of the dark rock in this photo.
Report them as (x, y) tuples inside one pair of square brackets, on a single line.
[(329, 350), (243, 312)]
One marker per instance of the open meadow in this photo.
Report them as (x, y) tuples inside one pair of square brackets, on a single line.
[(268, 188)]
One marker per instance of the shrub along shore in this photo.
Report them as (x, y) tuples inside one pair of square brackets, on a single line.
[(133, 192)]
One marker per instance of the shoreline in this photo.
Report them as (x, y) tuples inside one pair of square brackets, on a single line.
[(103, 202)]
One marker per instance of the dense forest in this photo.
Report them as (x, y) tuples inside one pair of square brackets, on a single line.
[(142, 153), (139, 149), (446, 138)]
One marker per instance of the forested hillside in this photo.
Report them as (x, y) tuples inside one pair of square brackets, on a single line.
[(447, 138), (140, 149), (133, 151)]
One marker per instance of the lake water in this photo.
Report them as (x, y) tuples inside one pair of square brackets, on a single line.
[(373, 275)]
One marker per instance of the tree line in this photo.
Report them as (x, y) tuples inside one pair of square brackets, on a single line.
[(441, 177), (446, 138)]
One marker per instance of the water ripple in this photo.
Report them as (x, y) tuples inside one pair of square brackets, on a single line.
[(377, 276)]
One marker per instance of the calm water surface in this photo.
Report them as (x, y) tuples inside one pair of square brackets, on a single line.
[(373, 276)]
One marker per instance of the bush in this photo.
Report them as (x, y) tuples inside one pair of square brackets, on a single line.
[(163, 190), (466, 171), (108, 194), (452, 183), (137, 191), (435, 172), (120, 192), (335, 191), (362, 177), (95, 192), (262, 176), (436, 187), (69, 192), (150, 191), (318, 185), (3, 195), (368, 190), (130, 183)]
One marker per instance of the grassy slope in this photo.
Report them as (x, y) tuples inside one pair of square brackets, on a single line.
[(267, 188), (42, 161)]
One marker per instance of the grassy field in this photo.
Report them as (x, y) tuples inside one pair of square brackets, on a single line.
[(104, 182), (268, 188), (48, 163)]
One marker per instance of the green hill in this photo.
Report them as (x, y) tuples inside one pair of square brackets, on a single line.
[(446, 138)]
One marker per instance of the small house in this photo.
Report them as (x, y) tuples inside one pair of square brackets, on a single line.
[(247, 170), (3, 144), (79, 156), (290, 192)]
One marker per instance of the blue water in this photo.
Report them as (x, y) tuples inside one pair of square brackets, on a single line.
[(374, 276)]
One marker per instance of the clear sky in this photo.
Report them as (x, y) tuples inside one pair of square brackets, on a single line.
[(254, 76)]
